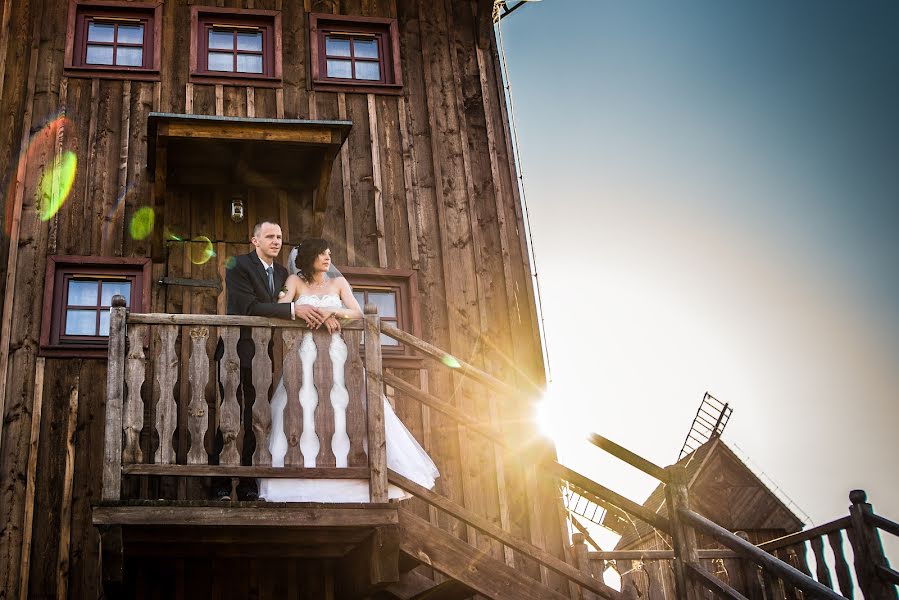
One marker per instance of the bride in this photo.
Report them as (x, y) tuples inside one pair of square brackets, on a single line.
[(317, 284)]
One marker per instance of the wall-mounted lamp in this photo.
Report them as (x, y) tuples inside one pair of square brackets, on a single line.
[(237, 209)]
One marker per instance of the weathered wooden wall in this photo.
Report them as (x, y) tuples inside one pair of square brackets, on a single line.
[(425, 181)]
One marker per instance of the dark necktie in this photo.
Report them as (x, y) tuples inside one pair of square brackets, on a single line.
[(271, 281)]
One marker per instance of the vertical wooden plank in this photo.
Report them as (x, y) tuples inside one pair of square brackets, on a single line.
[(112, 463), (345, 181), (376, 180), (30, 474), (219, 100), (198, 374), (292, 375), (355, 412), (65, 517), (166, 376), (229, 413), (868, 550), (251, 102), (188, 98), (133, 414), (323, 375), (377, 444), (262, 381), (279, 102), (409, 184)]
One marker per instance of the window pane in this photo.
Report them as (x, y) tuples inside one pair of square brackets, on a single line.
[(360, 298), (131, 34), (370, 71), (111, 288), (221, 40), (81, 322), (100, 32), (82, 293), (337, 46), (129, 57), (98, 55), (104, 322), (388, 341), (221, 61), (365, 48), (249, 41), (249, 63), (385, 301), (340, 68)]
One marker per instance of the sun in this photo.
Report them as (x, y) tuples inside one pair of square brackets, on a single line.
[(557, 419)]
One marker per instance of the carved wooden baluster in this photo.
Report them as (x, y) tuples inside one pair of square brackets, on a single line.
[(197, 420), (842, 567), (355, 412), (133, 414), (292, 381), (769, 586), (229, 414), (323, 376), (821, 569), (309, 441), (166, 377), (262, 381)]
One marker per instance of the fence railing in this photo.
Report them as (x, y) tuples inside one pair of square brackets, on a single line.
[(325, 424)]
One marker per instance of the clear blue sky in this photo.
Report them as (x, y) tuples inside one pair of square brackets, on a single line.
[(714, 199)]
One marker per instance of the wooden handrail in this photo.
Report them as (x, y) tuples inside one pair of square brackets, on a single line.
[(631, 458), (882, 523), (485, 526), (713, 583), (602, 494), (227, 320), (803, 536), (644, 555), (453, 363), (605, 494), (777, 567), (889, 574), (247, 471)]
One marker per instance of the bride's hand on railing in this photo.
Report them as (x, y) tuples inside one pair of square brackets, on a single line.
[(332, 323)]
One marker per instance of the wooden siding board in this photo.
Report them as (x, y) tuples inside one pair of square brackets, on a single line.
[(393, 196), (104, 169), (294, 46), (359, 147)]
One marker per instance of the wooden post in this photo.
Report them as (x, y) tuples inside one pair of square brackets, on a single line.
[(377, 445), (868, 550), (583, 562), (683, 536), (115, 392)]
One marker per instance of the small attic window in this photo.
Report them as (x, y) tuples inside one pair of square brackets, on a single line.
[(354, 54), (109, 40), (234, 44)]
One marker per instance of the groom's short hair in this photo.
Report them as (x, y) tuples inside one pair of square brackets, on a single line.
[(259, 225)]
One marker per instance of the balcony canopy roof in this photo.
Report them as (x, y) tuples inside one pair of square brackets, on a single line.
[(290, 154)]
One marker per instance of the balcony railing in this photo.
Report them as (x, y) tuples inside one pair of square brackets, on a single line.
[(327, 427)]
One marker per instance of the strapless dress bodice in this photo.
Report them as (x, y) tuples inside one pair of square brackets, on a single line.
[(321, 301)]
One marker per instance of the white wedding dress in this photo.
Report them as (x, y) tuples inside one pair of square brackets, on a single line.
[(404, 454)]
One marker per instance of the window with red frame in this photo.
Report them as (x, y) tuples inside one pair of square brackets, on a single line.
[(354, 51), (395, 293), (236, 45), (78, 299), (113, 38)]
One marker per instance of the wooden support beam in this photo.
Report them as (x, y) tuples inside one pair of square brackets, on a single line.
[(347, 515), (371, 566), (415, 586), (111, 559), (476, 569)]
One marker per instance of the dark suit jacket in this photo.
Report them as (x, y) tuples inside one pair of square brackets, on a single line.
[(246, 284)]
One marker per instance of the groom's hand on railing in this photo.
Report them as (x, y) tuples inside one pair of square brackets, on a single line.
[(313, 317)]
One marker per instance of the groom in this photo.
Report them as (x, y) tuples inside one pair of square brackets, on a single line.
[(252, 284)]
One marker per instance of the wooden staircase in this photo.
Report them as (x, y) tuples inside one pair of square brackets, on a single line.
[(394, 555)]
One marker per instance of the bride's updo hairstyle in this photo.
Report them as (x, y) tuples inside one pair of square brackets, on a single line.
[(307, 252)]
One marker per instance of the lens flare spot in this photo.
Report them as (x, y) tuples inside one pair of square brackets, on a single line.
[(201, 250), (142, 222), (56, 183), (451, 361), (230, 262)]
